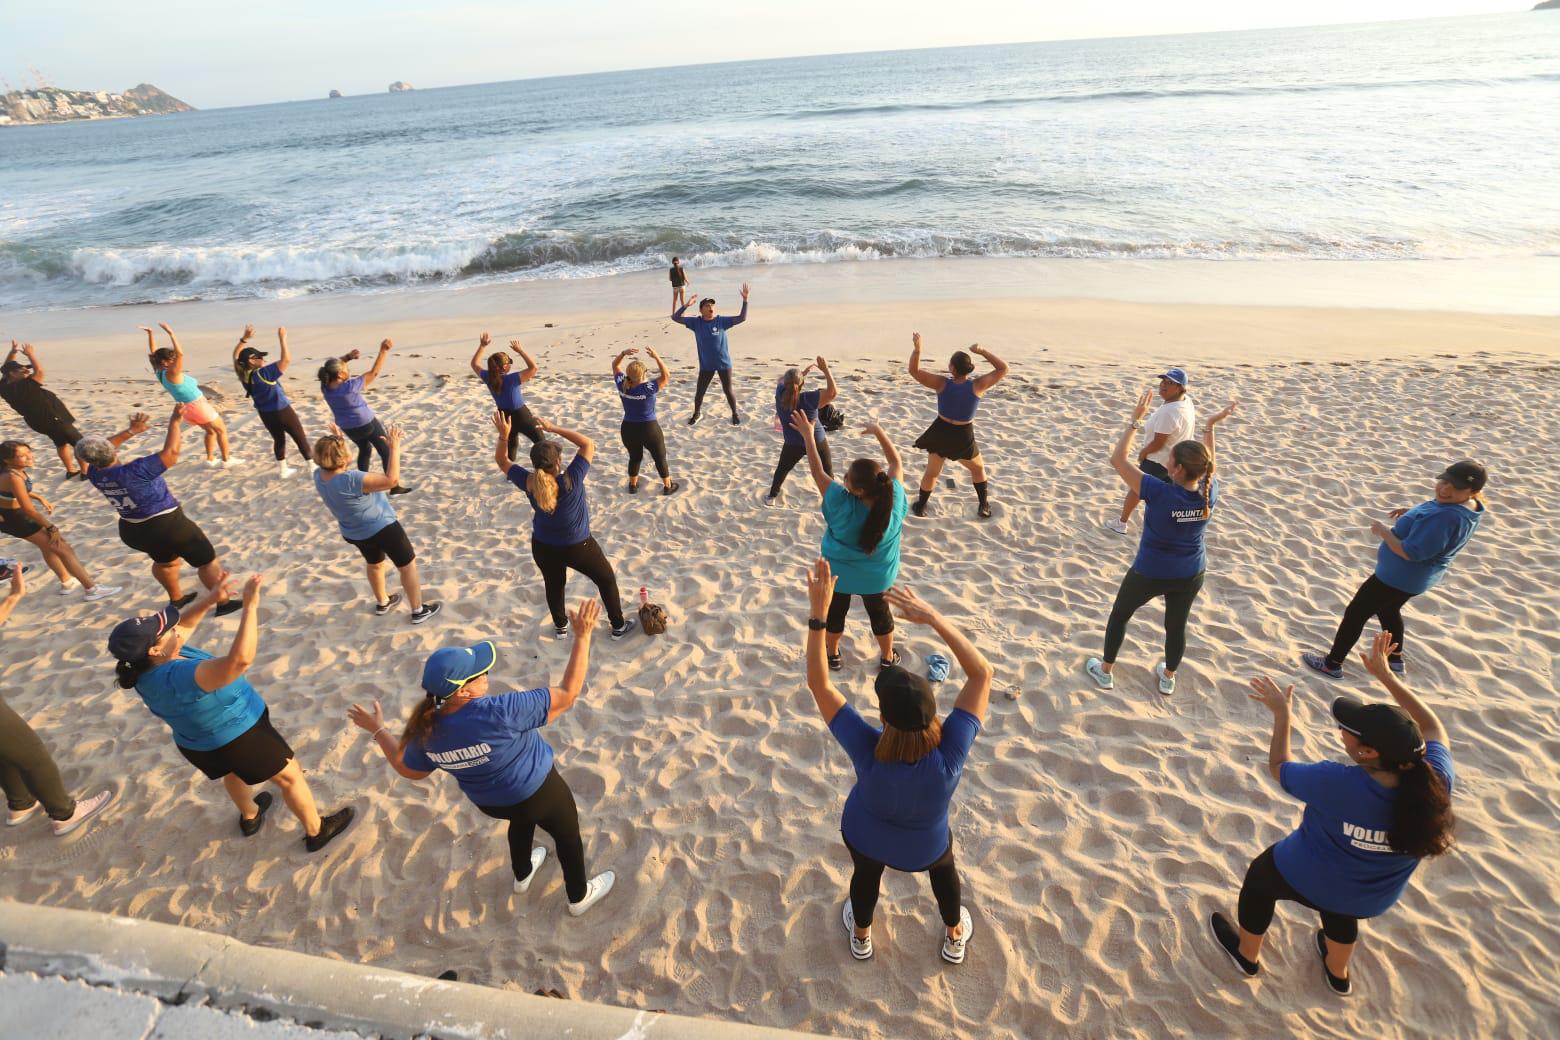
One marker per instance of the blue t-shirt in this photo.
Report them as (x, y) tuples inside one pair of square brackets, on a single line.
[(347, 404), (136, 489), (490, 747), (957, 400), (859, 572), (710, 336), (898, 813), (200, 721), (1173, 526), (806, 401), (264, 387), (184, 391), (1339, 857), (360, 515), (1432, 534), (638, 401), (569, 522), (508, 396)]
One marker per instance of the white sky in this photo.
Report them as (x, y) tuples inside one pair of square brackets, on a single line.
[(213, 53)]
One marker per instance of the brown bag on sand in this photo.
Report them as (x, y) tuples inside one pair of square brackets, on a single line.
[(652, 618)]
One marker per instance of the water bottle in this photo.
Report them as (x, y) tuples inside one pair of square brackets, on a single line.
[(644, 595)]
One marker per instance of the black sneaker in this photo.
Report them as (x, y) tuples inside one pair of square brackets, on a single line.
[(184, 600), (561, 631), (381, 609), (736, 420), (633, 489), (888, 662), (249, 828), (836, 663), (917, 508), (630, 623), (228, 606), (1342, 986), (330, 826), (1228, 939), (693, 420), (670, 489), (427, 611), (400, 490), (984, 512)]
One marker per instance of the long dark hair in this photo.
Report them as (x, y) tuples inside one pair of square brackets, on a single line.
[(1196, 462), (8, 450), (792, 383), (1422, 820), (873, 485), (245, 375), (127, 673), (420, 722), (162, 357), (497, 365)]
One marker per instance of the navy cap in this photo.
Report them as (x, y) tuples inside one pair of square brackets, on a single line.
[(14, 366), (451, 667), (247, 353), (905, 700), (1466, 475), (1385, 727), (1175, 375), (130, 640)]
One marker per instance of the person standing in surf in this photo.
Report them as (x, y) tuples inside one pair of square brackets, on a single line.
[(168, 364), (952, 436), (504, 384), (263, 386), (709, 333)]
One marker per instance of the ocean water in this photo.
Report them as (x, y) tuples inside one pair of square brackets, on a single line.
[(1430, 139)]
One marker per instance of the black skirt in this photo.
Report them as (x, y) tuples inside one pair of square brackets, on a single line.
[(950, 440)]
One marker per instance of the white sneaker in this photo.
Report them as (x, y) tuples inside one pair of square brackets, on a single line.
[(599, 886), (68, 586), (1166, 682), (98, 592), (213, 462), (537, 855), (85, 811), (861, 949), (1115, 526), (231, 461), (953, 949), (1096, 669), (16, 819), (770, 501), (283, 470)]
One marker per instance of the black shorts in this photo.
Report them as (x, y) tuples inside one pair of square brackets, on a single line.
[(950, 440), (1154, 469), (388, 541), (18, 524), (169, 537), (256, 755), (61, 433)]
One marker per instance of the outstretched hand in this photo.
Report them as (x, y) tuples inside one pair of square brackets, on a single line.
[(139, 421), (745, 292), (801, 424), (1144, 403), (372, 720), (909, 606), (501, 423), (915, 339), (486, 340), (1266, 692), (394, 434), (1228, 411), (1377, 659), (820, 588), (582, 619), (252, 590)]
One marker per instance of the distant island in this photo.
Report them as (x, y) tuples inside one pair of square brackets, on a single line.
[(1547, 5), (56, 105), (335, 93), (399, 85)]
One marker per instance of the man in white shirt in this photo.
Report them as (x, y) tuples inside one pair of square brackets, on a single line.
[(1170, 424)]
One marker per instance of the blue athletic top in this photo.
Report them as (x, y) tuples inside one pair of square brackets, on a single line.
[(1173, 528), (508, 396), (710, 336), (569, 522), (264, 387), (200, 721), (490, 747), (857, 572), (1432, 533), (638, 401), (956, 401), (136, 489), (347, 404), (184, 391), (360, 514), (806, 401)]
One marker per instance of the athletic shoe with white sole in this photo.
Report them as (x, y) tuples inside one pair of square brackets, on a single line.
[(427, 611), (381, 609), (98, 592), (85, 810), (1115, 527), (630, 623), (68, 586), (1341, 986), (1096, 669), (1228, 939), (599, 886), (283, 470), (1166, 681), (538, 854), (1319, 663), (953, 949), (231, 461), (561, 631), (861, 949), (17, 817)]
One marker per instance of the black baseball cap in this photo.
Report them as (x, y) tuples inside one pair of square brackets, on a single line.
[(905, 700), (13, 366), (1385, 727), (247, 353), (1466, 475), (131, 639)]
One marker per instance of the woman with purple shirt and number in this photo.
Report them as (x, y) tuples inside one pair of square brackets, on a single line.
[(343, 392), (1365, 828)]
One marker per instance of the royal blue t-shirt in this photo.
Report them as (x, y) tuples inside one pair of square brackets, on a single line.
[(1339, 857), (1173, 526), (898, 813), (806, 401), (136, 489), (1432, 534), (508, 396), (359, 515), (710, 336), (347, 404), (200, 721), (569, 522), (638, 401), (265, 388), (856, 571), (490, 747)]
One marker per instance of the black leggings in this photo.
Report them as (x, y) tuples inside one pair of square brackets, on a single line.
[(1264, 886), (521, 421), (868, 876), (369, 439), (877, 613), (282, 423), (705, 375), (552, 809), (639, 436), (1137, 590), (1374, 597), (555, 562), (790, 455)]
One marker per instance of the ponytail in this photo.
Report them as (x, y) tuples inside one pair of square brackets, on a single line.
[(1422, 819), (872, 484), (1206, 487), (419, 724), (1196, 463), (128, 673), (543, 487), (244, 372), (497, 365), (792, 382)]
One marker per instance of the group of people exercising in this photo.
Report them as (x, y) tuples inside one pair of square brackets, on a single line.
[(1364, 829)]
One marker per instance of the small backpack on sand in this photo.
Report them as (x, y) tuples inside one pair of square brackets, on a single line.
[(831, 417), (652, 618)]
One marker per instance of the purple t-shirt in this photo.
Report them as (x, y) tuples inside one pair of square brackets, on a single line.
[(569, 522), (347, 404), (136, 489)]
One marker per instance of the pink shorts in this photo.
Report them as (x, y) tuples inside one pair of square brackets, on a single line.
[(199, 412)]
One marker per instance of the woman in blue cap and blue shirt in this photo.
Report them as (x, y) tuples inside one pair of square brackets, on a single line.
[(1365, 828), (951, 437), (709, 335), (1414, 555), (220, 725), (263, 386), (1170, 556), (863, 519), (790, 398), (489, 743), (897, 813)]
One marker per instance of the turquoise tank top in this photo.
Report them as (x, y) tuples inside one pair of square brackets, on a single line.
[(184, 391)]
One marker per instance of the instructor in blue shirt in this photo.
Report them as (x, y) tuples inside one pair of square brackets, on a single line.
[(709, 332)]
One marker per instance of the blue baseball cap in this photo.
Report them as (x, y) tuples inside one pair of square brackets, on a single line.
[(1175, 375), (451, 667), (133, 638)]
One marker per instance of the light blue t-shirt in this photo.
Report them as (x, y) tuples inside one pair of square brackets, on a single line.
[(1432, 533), (1173, 526), (359, 515), (490, 747), (184, 391), (200, 721), (860, 572), (1339, 858)]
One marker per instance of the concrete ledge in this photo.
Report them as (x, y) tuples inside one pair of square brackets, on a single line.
[(178, 964)]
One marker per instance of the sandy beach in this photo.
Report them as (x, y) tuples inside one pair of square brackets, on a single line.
[(1095, 829)]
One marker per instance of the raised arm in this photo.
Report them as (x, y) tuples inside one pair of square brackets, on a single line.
[(820, 591), (476, 359), (151, 344), (586, 446), (388, 743), (666, 373), (170, 448), (1376, 662), (216, 673), (677, 312), (138, 425), (176, 370), (243, 340), (742, 316), (501, 447), (283, 358), (1214, 420), (379, 363), (617, 362), (1266, 692), (896, 465), (803, 425), (37, 366), (976, 693), (926, 379), (582, 620), (999, 370), (527, 373), (830, 389), (391, 477), (1130, 474)]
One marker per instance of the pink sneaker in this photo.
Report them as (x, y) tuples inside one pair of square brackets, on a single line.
[(85, 810)]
